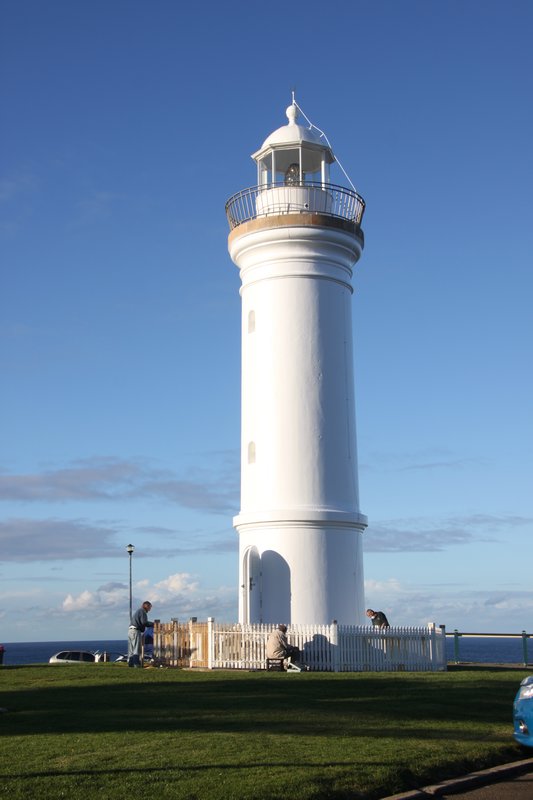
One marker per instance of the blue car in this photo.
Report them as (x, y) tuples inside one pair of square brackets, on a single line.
[(523, 713)]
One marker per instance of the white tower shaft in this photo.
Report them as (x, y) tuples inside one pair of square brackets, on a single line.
[(299, 526)]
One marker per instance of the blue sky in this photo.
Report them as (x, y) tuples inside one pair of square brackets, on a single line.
[(125, 126)]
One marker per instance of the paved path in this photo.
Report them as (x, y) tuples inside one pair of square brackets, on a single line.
[(520, 788), (507, 782)]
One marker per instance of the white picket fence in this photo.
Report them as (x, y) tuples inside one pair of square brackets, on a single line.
[(333, 648)]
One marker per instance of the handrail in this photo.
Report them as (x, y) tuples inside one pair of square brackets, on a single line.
[(490, 635), (299, 197), (523, 635)]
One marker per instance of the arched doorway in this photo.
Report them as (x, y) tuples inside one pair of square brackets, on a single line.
[(251, 586), (276, 588)]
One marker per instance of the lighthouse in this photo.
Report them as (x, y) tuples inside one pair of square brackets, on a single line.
[(295, 237)]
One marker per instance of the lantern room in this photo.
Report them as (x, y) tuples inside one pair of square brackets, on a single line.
[(293, 177), (293, 155)]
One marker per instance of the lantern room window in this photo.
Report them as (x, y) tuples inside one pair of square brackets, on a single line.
[(293, 166)]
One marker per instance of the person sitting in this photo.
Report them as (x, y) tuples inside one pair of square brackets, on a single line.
[(279, 647)]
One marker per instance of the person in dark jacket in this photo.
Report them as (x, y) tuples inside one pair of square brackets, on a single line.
[(379, 620), (139, 622)]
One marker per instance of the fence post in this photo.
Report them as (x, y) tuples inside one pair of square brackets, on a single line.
[(432, 645), (173, 643), (157, 638), (524, 648), (335, 654), (210, 642), (442, 648), (456, 636), (193, 648)]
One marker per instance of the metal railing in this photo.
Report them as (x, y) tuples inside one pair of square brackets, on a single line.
[(457, 635), (296, 198)]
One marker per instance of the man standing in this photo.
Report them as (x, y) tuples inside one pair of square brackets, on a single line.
[(379, 620), (139, 622)]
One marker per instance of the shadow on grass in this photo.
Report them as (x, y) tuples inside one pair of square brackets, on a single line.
[(399, 706), (260, 765), (398, 778)]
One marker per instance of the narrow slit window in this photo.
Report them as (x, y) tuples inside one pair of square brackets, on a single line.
[(251, 321), (251, 452)]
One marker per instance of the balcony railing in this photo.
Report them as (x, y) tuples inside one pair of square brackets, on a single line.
[(295, 198)]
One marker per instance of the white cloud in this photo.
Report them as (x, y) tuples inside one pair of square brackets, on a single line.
[(109, 478), (84, 601), (175, 586), (109, 596), (455, 606), (28, 540), (178, 595), (391, 585), (425, 459), (25, 540), (419, 534), (20, 595)]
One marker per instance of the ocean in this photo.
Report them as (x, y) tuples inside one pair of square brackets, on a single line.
[(472, 649), (19, 653), (489, 650)]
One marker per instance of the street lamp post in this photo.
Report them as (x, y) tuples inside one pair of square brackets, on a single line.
[(130, 548)]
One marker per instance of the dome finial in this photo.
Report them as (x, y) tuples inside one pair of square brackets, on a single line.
[(292, 113)]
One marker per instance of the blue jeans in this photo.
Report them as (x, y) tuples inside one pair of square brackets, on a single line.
[(135, 638)]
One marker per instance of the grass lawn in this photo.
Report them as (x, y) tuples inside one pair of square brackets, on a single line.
[(106, 731)]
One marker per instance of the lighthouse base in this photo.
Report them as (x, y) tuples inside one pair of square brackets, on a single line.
[(301, 573)]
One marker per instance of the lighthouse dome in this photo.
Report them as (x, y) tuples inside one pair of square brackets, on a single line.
[(294, 147), (292, 133)]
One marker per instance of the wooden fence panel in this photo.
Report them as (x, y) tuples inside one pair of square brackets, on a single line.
[(172, 643), (199, 643)]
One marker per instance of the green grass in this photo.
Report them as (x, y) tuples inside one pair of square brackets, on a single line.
[(106, 731)]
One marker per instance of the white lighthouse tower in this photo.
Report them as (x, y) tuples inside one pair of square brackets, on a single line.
[(296, 238)]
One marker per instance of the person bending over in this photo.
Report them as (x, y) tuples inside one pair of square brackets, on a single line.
[(379, 620)]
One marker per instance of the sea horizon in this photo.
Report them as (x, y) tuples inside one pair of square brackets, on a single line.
[(471, 649), (18, 654)]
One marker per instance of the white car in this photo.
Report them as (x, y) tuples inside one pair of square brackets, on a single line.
[(84, 657), (74, 657)]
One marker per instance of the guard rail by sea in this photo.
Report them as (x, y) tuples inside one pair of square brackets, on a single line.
[(457, 635)]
